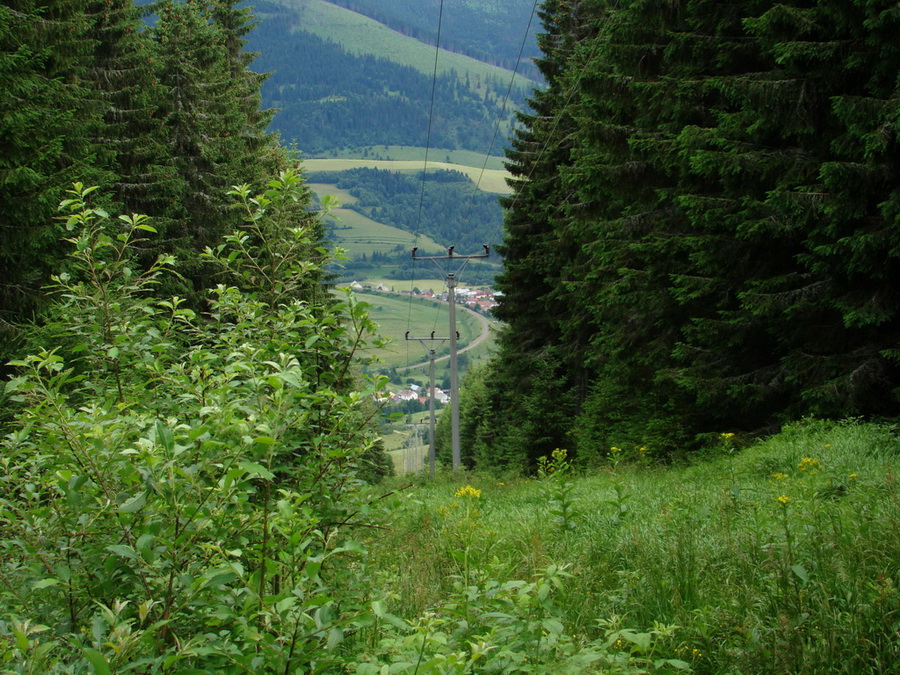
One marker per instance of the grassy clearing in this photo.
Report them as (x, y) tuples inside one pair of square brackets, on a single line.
[(780, 558), (322, 189), (489, 180), (360, 235), (361, 35)]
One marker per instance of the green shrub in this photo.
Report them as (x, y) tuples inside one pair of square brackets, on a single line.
[(180, 494)]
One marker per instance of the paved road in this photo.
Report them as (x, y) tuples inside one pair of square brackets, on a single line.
[(485, 333)]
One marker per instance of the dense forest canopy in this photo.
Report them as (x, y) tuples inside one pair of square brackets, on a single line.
[(168, 117), (704, 230)]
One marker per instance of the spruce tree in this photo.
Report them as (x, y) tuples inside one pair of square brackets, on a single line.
[(724, 234), (131, 137), (215, 132), (48, 119), (534, 378)]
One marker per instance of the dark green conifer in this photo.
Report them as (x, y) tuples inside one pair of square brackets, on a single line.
[(48, 119), (215, 133)]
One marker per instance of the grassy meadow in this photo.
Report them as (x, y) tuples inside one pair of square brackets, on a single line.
[(397, 314), (488, 180), (781, 557), (468, 158), (358, 234)]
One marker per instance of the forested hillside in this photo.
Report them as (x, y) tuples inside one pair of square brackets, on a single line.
[(329, 96), (448, 208), (704, 230)]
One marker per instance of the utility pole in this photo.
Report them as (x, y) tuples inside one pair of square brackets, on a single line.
[(431, 355), (452, 278)]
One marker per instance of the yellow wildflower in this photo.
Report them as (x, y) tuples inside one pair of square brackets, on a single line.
[(559, 453), (727, 435), (784, 500), (809, 464), (780, 476), (468, 491)]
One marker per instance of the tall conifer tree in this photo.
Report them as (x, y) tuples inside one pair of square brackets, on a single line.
[(726, 227), (215, 132), (533, 377), (48, 119)]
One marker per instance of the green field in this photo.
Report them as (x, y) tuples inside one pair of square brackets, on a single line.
[(396, 315), (361, 35), (467, 158), (360, 235), (488, 180)]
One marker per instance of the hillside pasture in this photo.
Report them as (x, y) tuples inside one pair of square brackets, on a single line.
[(488, 180), (396, 315), (359, 235), (411, 152)]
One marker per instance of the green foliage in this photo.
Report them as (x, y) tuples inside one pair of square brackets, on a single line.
[(182, 494), (557, 488), (489, 623), (277, 263)]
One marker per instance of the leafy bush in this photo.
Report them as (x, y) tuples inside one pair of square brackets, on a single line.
[(179, 494)]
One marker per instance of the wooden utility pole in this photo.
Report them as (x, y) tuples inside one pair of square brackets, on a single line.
[(452, 278)]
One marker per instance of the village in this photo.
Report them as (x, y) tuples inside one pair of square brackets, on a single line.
[(481, 301), (415, 396), (415, 392)]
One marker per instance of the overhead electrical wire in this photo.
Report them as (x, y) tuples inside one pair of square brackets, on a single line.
[(501, 116), (512, 81), (437, 53), (557, 118)]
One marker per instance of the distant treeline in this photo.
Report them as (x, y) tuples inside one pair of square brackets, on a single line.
[(447, 207), (330, 99)]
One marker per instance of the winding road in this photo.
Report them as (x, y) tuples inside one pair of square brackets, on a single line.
[(485, 334)]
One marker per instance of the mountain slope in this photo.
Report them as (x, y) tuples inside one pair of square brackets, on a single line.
[(343, 80)]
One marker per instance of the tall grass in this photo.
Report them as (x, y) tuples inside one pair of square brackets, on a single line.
[(781, 557)]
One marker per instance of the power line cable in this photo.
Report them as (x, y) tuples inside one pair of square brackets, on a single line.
[(509, 89), (437, 52)]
